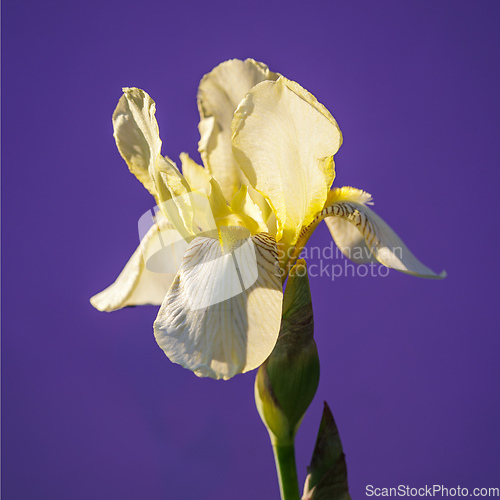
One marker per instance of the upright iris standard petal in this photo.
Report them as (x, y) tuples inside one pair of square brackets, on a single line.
[(385, 245), (284, 142), (148, 274), (222, 314), (219, 94), (136, 135)]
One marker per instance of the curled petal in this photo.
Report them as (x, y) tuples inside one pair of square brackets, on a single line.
[(219, 94), (148, 274), (345, 234), (284, 141), (222, 314), (136, 135), (371, 237)]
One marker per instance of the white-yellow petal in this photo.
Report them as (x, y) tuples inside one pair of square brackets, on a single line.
[(175, 197), (219, 94), (346, 235), (148, 274), (243, 205), (218, 203), (284, 142), (349, 240), (136, 135), (222, 314), (268, 215), (368, 232), (196, 175)]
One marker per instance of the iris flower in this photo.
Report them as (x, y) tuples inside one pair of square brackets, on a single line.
[(267, 146)]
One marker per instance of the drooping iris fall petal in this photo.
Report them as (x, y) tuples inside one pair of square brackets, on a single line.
[(223, 312), (363, 229), (148, 274)]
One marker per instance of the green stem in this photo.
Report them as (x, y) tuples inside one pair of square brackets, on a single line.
[(284, 456)]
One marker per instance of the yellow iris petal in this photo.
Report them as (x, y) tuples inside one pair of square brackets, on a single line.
[(284, 141), (219, 94)]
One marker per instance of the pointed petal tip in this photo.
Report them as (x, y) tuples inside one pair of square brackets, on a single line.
[(94, 301), (99, 301), (443, 274), (429, 275)]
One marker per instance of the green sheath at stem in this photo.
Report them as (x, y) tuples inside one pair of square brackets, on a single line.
[(284, 455), (287, 381)]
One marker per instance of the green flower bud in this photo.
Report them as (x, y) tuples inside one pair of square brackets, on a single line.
[(287, 381)]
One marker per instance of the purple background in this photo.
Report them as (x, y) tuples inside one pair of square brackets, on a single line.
[(92, 409)]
